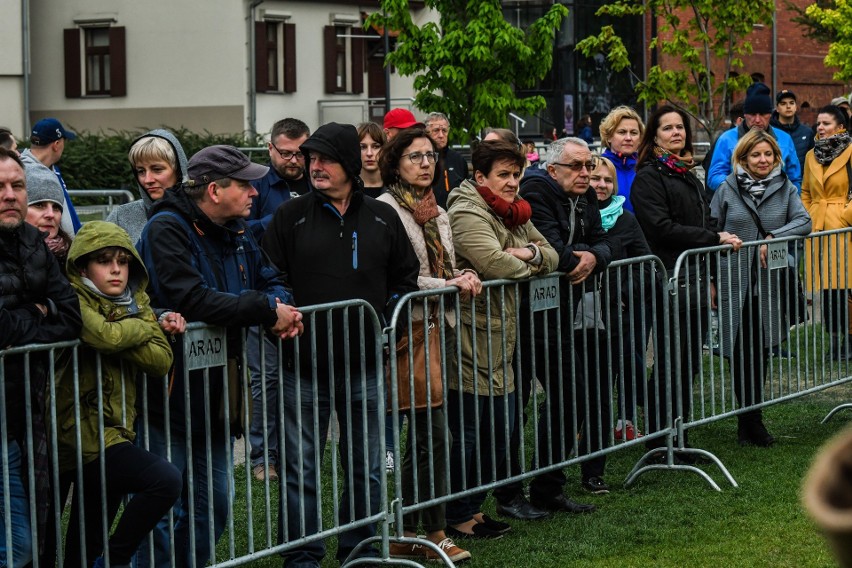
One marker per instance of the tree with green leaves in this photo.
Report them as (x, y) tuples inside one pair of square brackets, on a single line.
[(707, 39), (469, 63), (833, 23)]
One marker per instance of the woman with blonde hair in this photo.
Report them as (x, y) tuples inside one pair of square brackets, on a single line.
[(621, 130), (756, 201)]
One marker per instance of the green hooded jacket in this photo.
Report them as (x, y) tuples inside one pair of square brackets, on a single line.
[(127, 338)]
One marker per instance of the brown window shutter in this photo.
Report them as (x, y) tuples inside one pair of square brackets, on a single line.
[(289, 58), (329, 34), (73, 79), (261, 74), (117, 62), (357, 65)]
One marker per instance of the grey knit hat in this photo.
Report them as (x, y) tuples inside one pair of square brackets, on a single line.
[(42, 185)]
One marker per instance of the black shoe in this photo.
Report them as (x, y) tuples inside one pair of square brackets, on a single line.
[(595, 485), (478, 531), (495, 525), (561, 503), (757, 435), (521, 509)]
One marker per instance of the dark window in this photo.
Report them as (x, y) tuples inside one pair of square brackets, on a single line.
[(275, 51), (344, 60), (95, 62)]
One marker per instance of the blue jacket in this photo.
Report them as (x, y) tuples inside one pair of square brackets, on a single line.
[(721, 166), (272, 191), (625, 170)]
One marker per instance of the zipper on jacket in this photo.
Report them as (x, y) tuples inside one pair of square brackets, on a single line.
[(355, 250)]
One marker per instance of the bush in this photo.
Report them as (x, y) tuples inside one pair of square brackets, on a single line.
[(99, 160)]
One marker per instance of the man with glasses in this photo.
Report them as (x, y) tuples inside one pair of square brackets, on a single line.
[(336, 244), (565, 211), (452, 167), (286, 179)]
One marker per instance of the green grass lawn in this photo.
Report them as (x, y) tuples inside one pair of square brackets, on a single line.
[(668, 518)]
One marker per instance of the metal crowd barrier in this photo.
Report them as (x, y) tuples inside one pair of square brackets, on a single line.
[(572, 363)]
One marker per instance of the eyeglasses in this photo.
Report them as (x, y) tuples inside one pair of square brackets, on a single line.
[(417, 157), (437, 129), (576, 166), (286, 155)]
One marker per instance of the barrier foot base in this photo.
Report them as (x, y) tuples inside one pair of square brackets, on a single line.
[(642, 466), (354, 562), (834, 411)]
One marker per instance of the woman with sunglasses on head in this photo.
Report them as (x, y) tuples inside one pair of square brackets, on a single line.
[(672, 208), (757, 201), (494, 236), (408, 164)]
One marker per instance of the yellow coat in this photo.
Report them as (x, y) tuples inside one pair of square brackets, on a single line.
[(825, 192)]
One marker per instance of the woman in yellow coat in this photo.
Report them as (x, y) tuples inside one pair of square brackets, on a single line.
[(826, 191)]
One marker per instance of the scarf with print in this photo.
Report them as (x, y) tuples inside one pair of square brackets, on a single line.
[(755, 188), (424, 208), (611, 210), (826, 149), (679, 164), (512, 214)]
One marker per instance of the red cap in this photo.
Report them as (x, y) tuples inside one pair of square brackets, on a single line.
[(401, 118)]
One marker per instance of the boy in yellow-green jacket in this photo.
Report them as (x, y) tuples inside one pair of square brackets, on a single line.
[(120, 338)]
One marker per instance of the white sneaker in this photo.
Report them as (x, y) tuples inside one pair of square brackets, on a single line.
[(389, 461)]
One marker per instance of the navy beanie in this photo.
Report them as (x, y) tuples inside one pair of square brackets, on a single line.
[(757, 100)]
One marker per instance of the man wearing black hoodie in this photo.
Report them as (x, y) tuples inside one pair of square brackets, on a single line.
[(786, 118), (336, 244)]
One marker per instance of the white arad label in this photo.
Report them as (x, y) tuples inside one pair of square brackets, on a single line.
[(776, 256), (205, 347), (544, 293)]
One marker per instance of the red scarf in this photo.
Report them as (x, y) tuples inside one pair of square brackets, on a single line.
[(512, 214)]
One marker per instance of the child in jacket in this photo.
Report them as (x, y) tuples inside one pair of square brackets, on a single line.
[(120, 339)]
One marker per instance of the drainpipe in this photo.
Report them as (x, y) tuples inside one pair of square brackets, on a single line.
[(252, 98), (25, 40)]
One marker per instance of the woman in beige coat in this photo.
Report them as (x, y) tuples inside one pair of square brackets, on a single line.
[(493, 235), (407, 165), (826, 189)]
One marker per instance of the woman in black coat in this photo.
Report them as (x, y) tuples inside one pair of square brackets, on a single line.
[(672, 209)]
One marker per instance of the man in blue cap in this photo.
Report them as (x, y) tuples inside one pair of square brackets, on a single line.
[(47, 145), (757, 112)]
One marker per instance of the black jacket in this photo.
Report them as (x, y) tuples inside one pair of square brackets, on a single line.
[(450, 171), (29, 274), (363, 254), (673, 211), (802, 135)]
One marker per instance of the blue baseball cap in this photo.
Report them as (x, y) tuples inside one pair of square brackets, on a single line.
[(48, 130)]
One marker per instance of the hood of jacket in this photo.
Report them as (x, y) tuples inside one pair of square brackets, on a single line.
[(620, 161), (96, 235), (181, 160), (788, 128)]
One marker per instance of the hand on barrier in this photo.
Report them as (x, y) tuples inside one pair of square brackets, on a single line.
[(172, 323), (289, 324), (584, 268), (726, 238), (468, 284), (764, 252)]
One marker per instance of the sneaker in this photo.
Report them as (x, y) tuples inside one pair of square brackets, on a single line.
[(449, 548), (389, 461), (408, 551), (262, 473), (629, 432), (595, 485)]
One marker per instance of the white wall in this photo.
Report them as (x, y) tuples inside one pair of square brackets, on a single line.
[(11, 67)]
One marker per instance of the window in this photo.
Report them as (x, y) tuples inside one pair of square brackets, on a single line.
[(344, 60), (275, 57), (95, 62)]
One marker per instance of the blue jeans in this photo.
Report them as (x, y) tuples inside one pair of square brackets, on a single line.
[(307, 412), (264, 385), (19, 513), (204, 489), (470, 439)]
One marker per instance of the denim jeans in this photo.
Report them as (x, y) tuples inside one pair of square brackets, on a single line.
[(307, 413), (19, 515), (264, 394), (203, 490), (487, 439)]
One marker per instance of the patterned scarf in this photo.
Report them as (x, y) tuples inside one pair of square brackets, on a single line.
[(512, 214), (611, 210), (679, 164), (423, 207), (826, 149), (755, 188)]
